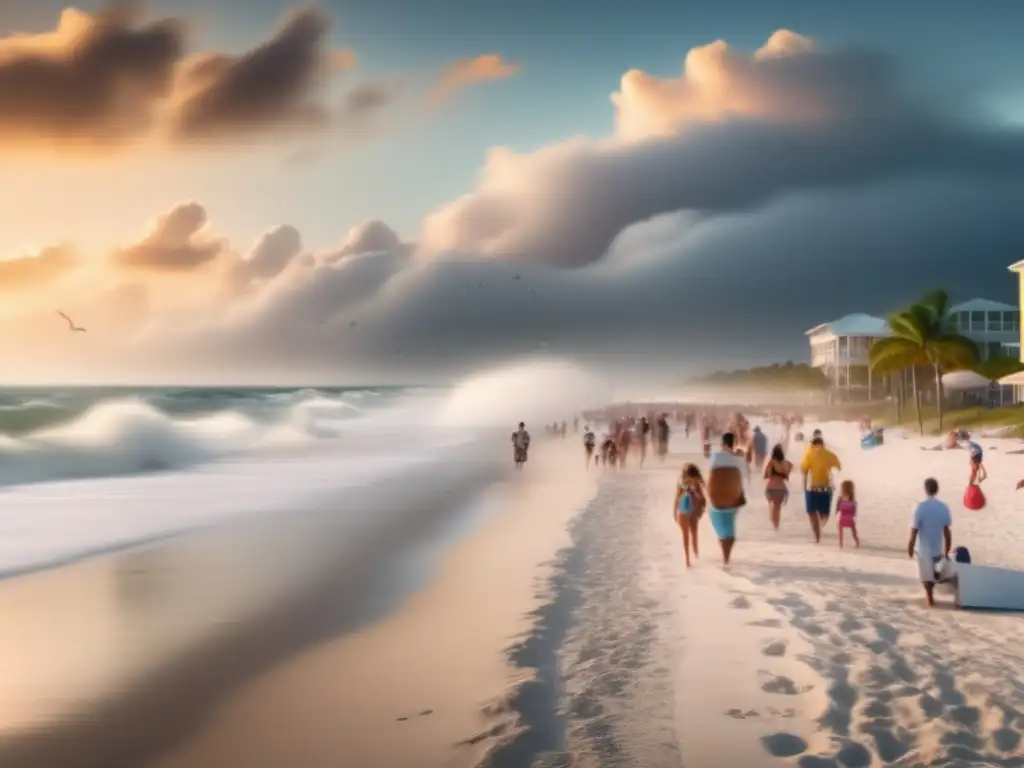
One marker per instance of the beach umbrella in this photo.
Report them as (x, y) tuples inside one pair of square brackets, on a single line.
[(965, 380)]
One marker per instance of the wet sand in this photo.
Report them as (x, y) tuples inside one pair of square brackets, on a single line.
[(290, 642)]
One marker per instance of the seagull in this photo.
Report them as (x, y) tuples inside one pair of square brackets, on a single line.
[(71, 323)]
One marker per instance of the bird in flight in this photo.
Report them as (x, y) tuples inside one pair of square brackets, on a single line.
[(71, 324)]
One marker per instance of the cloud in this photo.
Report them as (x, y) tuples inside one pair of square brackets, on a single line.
[(97, 80), (112, 78), (275, 86), (467, 72), (712, 232), (732, 133), (177, 241), (30, 270), (273, 252)]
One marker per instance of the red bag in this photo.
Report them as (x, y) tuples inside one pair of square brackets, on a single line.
[(974, 497)]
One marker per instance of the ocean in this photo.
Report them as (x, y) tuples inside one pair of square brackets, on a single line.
[(87, 470)]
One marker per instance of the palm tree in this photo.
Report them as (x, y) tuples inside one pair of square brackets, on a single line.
[(923, 334)]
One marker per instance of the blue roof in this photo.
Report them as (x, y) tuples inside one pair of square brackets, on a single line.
[(854, 325)]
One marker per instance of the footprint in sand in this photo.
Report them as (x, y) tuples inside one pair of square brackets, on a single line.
[(401, 719), (1006, 739), (774, 648), (768, 623), (426, 712), (739, 714), (781, 685), (783, 745), (740, 603)]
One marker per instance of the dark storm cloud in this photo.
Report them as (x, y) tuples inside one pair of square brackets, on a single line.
[(96, 80), (732, 133), (734, 210), (677, 297), (103, 79), (273, 85)]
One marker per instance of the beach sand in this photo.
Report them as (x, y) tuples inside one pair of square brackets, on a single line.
[(798, 653), (427, 685), (563, 629), (280, 643)]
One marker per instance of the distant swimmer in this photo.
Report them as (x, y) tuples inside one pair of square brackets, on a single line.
[(520, 445), (589, 443), (71, 323)]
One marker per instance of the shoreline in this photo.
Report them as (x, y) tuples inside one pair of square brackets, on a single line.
[(428, 684), (165, 632), (218, 647)]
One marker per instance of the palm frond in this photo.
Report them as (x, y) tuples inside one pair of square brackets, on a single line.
[(911, 324), (894, 353), (937, 302)]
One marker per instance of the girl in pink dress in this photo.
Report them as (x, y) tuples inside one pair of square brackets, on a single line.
[(846, 510)]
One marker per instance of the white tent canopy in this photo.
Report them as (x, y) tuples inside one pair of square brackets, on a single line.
[(964, 380), (1013, 378)]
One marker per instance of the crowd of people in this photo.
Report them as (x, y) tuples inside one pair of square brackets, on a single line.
[(743, 453)]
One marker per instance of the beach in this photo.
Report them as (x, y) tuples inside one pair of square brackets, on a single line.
[(535, 618), (798, 653)]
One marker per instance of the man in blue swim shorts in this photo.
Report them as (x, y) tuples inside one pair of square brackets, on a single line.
[(725, 492), (817, 467)]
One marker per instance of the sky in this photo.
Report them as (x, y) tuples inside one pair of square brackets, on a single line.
[(378, 190)]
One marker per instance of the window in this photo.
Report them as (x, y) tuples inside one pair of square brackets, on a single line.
[(995, 321), (1011, 321), (977, 321)]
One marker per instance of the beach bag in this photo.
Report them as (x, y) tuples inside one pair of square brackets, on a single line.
[(974, 497), (962, 555)]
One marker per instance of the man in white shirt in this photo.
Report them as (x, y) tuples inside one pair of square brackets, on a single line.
[(930, 532)]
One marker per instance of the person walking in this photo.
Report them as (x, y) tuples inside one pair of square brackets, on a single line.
[(931, 536), (520, 445), (589, 442), (758, 447), (776, 484), (689, 508), (725, 493), (817, 466), (846, 509)]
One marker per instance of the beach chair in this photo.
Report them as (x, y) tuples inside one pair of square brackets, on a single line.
[(987, 587)]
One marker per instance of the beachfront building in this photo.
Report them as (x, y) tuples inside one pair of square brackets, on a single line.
[(993, 326), (841, 350), (1016, 380)]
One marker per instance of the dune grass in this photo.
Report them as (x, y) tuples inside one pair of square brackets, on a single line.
[(1010, 417)]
